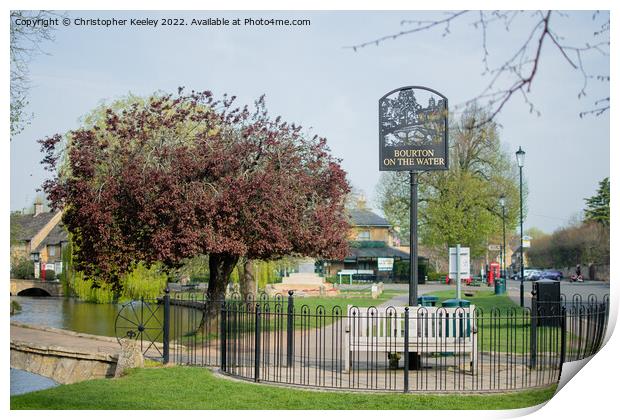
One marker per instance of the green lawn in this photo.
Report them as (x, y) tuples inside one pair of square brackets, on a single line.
[(199, 388), (506, 330), (484, 299), (310, 312), (360, 300)]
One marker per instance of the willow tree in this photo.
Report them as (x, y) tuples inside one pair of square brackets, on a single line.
[(176, 176)]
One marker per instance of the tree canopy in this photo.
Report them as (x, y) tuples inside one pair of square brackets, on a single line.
[(580, 243), (597, 206), (175, 176), (26, 41)]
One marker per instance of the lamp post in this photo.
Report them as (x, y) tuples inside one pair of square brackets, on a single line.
[(35, 257), (521, 161), (502, 202)]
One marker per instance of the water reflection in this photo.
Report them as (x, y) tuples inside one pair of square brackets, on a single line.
[(95, 318)]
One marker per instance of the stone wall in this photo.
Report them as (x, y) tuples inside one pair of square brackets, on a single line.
[(599, 272), (62, 365)]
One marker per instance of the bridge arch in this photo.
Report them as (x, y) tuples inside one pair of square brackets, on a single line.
[(34, 291), (21, 287)]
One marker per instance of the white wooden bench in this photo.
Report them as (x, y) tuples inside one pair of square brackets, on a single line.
[(431, 330)]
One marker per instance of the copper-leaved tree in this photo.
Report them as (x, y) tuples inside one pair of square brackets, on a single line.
[(177, 176)]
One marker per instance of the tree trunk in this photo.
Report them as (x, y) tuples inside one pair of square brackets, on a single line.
[(220, 268), (248, 282)]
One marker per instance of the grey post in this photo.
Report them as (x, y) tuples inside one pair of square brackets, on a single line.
[(521, 161), (521, 298), (458, 271)]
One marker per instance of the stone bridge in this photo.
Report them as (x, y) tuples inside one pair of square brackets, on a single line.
[(64, 356), (20, 287)]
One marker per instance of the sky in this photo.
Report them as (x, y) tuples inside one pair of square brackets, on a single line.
[(309, 77)]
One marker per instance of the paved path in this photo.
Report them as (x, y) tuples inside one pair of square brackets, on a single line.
[(55, 337), (596, 288), (64, 356)]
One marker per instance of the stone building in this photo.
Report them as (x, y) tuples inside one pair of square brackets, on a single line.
[(41, 237), (371, 245)]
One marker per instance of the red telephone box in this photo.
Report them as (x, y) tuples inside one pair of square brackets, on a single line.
[(493, 273)]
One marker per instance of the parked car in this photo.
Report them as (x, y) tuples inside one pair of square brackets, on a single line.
[(552, 274), (528, 274), (532, 274)]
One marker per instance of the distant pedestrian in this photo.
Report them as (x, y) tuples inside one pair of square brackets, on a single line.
[(578, 276)]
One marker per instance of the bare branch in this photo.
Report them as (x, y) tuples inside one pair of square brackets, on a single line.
[(422, 26), (517, 73)]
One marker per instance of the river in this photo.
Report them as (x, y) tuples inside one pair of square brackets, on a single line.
[(67, 313), (23, 382)]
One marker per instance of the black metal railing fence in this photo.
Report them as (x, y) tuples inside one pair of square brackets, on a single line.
[(282, 340)]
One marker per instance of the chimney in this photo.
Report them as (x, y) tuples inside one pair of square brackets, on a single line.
[(361, 202), (38, 207)]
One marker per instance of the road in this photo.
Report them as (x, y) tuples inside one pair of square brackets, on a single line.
[(57, 338), (597, 288)]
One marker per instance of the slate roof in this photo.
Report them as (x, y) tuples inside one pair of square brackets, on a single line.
[(383, 252), (57, 235), (364, 217), (29, 224)]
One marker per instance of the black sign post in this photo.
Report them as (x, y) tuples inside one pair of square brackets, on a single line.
[(413, 238), (413, 137)]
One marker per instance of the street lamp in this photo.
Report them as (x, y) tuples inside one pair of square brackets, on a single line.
[(502, 202), (521, 161)]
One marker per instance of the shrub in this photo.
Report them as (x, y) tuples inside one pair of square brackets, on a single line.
[(50, 275), (401, 268), (199, 279), (436, 276), (23, 268), (143, 282), (332, 279), (15, 307)]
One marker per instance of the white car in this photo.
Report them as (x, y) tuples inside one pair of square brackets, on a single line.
[(532, 274), (528, 274)]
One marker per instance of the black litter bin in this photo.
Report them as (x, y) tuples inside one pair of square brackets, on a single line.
[(546, 302)]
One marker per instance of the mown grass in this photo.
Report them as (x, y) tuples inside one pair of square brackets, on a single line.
[(200, 389), (310, 312), (486, 300), (503, 325)]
